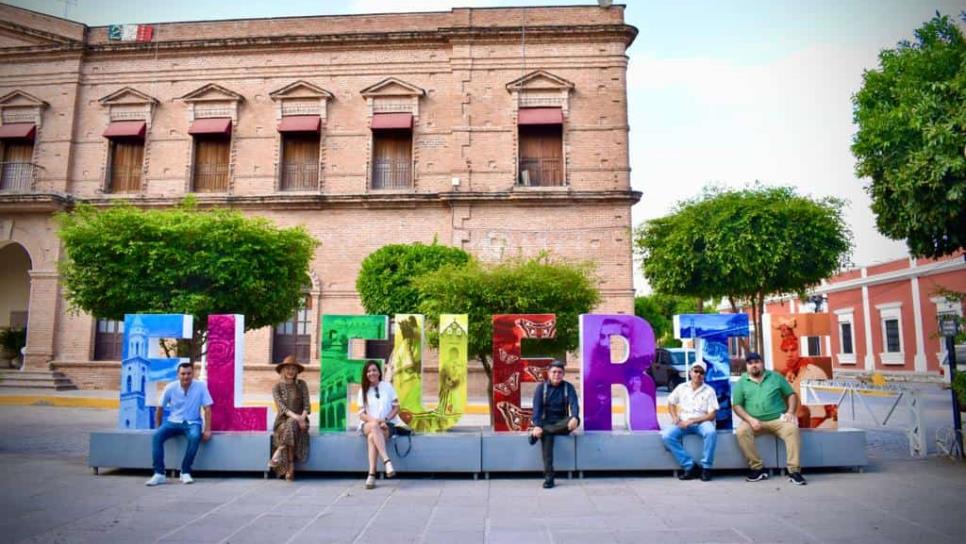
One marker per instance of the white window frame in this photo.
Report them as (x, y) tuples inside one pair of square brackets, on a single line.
[(846, 315), (887, 312)]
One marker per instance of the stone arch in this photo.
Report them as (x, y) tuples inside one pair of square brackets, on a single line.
[(14, 284)]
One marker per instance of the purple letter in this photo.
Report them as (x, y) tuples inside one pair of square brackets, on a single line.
[(226, 350), (600, 373)]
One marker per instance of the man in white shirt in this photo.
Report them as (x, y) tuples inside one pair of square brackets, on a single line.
[(692, 406), (188, 398)]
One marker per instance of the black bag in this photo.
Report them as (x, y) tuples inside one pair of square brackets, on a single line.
[(400, 431)]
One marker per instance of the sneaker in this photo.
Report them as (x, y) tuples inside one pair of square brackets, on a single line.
[(532, 439), (548, 482), (705, 474), (186, 478), (390, 471), (157, 479), (690, 473), (756, 476), (797, 478), (371, 481)]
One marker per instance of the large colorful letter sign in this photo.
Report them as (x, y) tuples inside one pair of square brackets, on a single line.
[(510, 370), (713, 331), (405, 368), (142, 365), (226, 354), (338, 370), (783, 342), (600, 372)]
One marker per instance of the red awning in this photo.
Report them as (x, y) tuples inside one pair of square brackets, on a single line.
[(218, 125), (125, 129), (540, 116), (300, 123), (18, 131), (392, 120)]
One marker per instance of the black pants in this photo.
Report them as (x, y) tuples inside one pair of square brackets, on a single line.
[(546, 442)]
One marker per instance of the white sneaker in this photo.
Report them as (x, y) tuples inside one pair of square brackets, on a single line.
[(157, 479), (186, 478)]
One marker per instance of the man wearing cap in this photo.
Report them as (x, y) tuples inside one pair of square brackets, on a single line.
[(555, 411), (187, 399), (692, 406), (766, 403)]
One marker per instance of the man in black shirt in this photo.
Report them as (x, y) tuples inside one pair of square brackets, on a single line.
[(555, 411)]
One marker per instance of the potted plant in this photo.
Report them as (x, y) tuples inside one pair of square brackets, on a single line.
[(12, 340)]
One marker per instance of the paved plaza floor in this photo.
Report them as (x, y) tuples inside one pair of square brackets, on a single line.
[(47, 494)]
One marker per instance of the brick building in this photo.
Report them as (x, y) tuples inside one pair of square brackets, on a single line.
[(501, 131)]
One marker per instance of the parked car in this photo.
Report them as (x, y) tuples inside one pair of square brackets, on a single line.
[(669, 368)]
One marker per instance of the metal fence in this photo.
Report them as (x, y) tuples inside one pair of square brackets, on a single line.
[(16, 177), (211, 178), (392, 174), (298, 176)]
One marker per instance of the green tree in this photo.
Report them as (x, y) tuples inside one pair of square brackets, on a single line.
[(385, 281), (744, 245), (518, 286), (659, 310), (123, 260), (911, 142)]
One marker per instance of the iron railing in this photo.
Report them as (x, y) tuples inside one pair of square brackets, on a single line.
[(210, 178), (16, 177), (392, 174), (536, 172), (124, 180), (299, 176)]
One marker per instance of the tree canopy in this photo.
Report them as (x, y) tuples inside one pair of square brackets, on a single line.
[(385, 281), (659, 310), (517, 286), (744, 245), (183, 260), (911, 142)]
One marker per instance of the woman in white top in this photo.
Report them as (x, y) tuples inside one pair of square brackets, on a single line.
[(378, 412)]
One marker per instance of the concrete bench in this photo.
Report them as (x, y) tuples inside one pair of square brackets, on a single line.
[(226, 451), (825, 448), (454, 451), (510, 452), (644, 450)]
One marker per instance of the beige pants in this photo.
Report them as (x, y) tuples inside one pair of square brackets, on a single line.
[(788, 432)]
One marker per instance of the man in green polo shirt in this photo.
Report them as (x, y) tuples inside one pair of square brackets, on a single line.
[(766, 403)]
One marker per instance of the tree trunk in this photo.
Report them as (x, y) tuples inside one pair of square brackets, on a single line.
[(700, 305)]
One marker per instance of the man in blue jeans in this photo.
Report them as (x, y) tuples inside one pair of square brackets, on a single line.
[(692, 406), (187, 399)]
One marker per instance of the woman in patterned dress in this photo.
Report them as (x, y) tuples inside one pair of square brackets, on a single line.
[(291, 430)]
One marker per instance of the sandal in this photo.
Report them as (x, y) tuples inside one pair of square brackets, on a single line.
[(390, 471), (371, 481), (276, 457), (290, 475)]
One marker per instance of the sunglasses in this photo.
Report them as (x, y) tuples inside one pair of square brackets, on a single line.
[(697, 371)]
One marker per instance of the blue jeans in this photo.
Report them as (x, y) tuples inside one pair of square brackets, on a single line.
[(674, 442), (192, 432)]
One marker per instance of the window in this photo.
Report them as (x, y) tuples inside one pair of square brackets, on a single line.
[(814, 344), (846, 318), (541, 152), (294, 337), (211, 163), (17, 172), (127, 159), (891, 318), (845, 329), (107, 340), (392, 158), (300, 161)]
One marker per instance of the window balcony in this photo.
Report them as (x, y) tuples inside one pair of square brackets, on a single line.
[(211, 178), (392, 174), (17, 177), (541, 172), (298, 176)]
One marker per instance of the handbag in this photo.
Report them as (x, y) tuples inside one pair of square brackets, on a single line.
[(396, 431)]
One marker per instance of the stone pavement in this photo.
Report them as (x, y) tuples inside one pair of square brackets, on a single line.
[(47, 494)]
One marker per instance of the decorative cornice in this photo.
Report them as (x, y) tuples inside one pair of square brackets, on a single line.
[(304, 201), (35, 202)]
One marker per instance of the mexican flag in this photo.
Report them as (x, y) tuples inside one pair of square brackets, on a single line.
[(130, 33)]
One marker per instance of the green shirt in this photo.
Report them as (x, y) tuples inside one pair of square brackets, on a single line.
[(764, 401)]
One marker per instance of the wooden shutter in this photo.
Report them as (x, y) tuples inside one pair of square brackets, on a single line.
[(127, 159), (392, 159), (17, 171), (300, 162), (541, 152), (211, 164)]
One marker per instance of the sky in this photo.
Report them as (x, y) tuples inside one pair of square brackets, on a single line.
[(722, 92)]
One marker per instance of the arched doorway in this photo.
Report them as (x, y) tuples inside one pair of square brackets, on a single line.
[(14, 289)]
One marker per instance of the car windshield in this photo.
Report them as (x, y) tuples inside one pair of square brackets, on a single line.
[(678, 357)]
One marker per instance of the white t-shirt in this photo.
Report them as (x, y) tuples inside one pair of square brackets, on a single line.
[(693, 404), (379, 406)]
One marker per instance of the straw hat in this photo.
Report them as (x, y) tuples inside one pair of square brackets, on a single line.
[(290, 360)]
